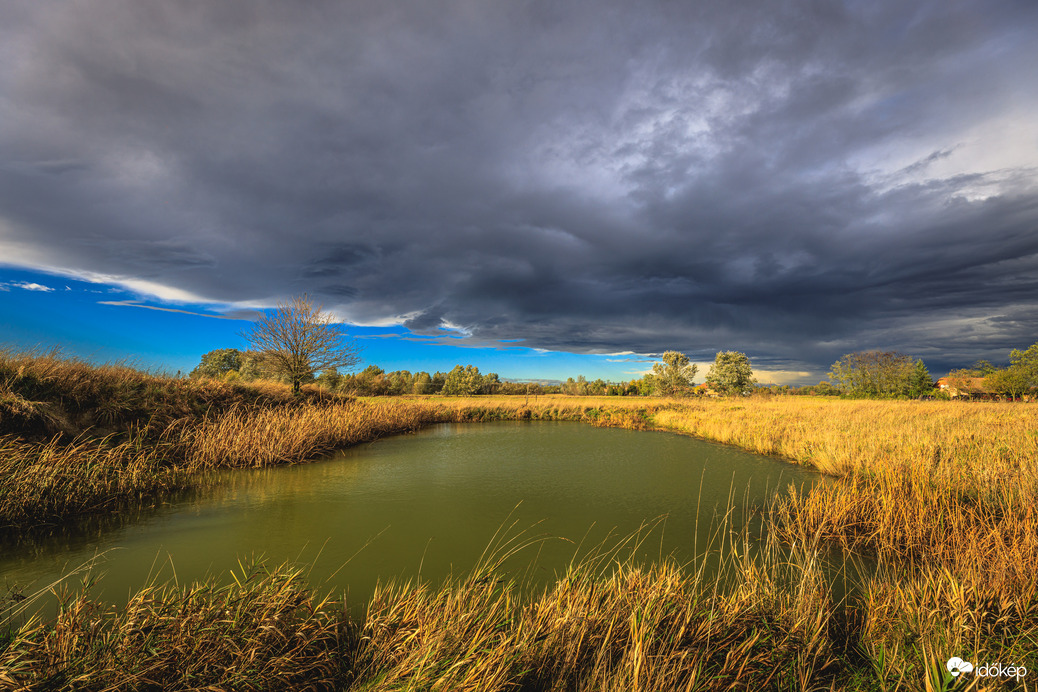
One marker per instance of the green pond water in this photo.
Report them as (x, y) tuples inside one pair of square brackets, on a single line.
[(427, 504)]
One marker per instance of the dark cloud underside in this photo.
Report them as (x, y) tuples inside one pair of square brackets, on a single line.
[(794, 180)]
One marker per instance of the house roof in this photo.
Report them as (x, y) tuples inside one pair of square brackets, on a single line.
[(970, 384)]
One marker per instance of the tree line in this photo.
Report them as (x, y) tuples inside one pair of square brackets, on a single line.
[(890, 374), (1018, 379), (730, 374), (300, 343), (864, 374), (234, 365)]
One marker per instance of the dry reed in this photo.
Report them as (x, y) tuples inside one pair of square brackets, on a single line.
[(49, 481), (941, 494), (607, 624), (266, 630)]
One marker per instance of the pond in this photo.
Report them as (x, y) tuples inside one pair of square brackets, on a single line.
[(430, 504)]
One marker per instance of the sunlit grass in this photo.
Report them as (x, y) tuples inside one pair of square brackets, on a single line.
[(606, 623), (940, 496), (264, 630), (50, 481)]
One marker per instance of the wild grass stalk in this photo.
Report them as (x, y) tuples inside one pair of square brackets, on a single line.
[(46, 482), (289, 434), (265, 630), (768, 621), (942, 495), (608, 623)]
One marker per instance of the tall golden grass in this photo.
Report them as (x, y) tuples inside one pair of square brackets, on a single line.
[(841, 436), (264, 630), (288, 434), (43, 394), (606, 624), (54, 480), (940, 495)]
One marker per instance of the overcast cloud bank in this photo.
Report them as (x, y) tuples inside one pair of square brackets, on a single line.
[(793, 180)]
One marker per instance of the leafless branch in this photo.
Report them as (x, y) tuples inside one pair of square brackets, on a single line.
[(299, 339)]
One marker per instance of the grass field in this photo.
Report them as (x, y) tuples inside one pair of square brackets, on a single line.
[(941, 495)]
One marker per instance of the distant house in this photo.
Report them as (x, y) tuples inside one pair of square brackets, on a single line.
[(705, 390), (972, 387)]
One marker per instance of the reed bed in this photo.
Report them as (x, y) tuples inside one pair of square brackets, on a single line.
[(940, 495), (288, 434), (48, 482), (604, 625), (299, 432), (946, 483), (264, 630), (607, 624), (840, 437), (43, 394)]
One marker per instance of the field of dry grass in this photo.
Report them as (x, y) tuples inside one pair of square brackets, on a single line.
[(940, 496), (604, 625)]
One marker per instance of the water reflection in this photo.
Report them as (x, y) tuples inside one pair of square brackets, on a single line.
[(430, 503)]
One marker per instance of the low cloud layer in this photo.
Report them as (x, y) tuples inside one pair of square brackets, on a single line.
[(791, 180)]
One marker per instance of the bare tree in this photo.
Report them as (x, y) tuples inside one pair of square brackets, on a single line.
[(299, 339)]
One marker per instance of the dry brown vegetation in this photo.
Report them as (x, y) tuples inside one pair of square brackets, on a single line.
[(606, 624), (266, 630), (77, 438), (940, 496)]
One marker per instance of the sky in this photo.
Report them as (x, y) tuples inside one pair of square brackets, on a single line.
[(542, 189)]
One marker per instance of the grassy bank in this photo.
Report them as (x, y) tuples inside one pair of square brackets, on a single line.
[(940, 494), (76, 438), (944, 494), (601, 626)]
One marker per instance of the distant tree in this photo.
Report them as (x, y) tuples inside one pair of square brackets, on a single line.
[(299, 339), (921, 382), (490, 383), (731, 373), (463, 381), (577, 387), (823, 388), (252, 366), (874, 374), (1012, 382), (374, 381), (673, 376), (222, 362), (629, 388), (826, 388), (218, 362), (983, 368), (371, 381), (329, 379), (400, 382), (1026, 363), (422, 384)]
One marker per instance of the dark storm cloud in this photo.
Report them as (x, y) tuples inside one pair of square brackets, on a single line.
[(794, 180)]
